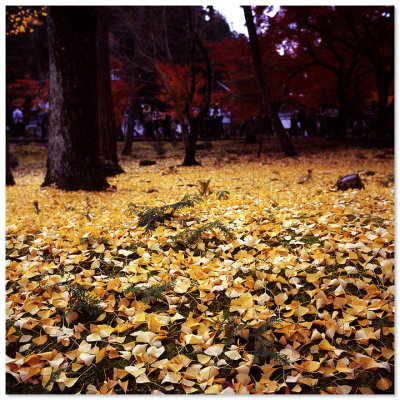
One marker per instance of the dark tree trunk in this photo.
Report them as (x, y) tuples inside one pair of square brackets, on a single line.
[(195, 122), (127, 149), (190, 156), (382, 84), (135, 71), (340, 132), (107, 128), (190, 142), (9, 176), (284, 141), (369, 42), (73, 152)]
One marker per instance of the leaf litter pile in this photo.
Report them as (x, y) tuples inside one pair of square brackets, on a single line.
[(263, 283)]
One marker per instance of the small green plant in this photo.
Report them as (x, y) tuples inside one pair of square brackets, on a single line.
[(36, 205), (192, 236), (204, 188), (94, 239), (53, 378), (231, 326), (135, 246), (159, 148), (153, 293), (148, 217), (263, 347), (222, 195), (83, 302), (87, 213)]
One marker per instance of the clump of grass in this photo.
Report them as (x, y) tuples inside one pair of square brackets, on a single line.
[(88, 210), (204, 188), (222, 195), (230, 327), (191, 236), (83, 302), (36, 205), (153, 293), (263, 348), (93, 239), (159, 148), (148, 217)]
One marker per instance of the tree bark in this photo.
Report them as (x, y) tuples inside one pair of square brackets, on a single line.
[(382, 84), (195, 122), (107, 128), (73, 152), (284, 141), (190, 143), (135, 71), (9, 176), (127, 149), (369, 42)]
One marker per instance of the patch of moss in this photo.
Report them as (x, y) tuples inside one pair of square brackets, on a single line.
[(309, 240), (171, 350), (13, 387), (220, 303), (378, 221)]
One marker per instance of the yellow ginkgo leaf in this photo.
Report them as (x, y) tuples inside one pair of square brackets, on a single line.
[(310, 366), (384, 384), (342, 367), (308, 381), (214, 350), (40, 340), (134, 370), (325, 345), (100, 248), (313, 277)]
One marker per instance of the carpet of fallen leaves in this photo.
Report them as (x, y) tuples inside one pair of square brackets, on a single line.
[(299, 300)]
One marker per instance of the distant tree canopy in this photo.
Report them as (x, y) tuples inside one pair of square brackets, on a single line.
[(312, 55), (338, 54), (26, 56), (164, 40)]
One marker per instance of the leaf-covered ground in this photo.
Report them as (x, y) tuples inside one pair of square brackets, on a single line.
[(299, 298)]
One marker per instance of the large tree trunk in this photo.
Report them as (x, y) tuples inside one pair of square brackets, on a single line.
[(73, 152), (107, 128), (9, 176), (285, 144)]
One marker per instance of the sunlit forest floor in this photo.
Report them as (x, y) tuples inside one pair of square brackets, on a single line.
[(271, 284)]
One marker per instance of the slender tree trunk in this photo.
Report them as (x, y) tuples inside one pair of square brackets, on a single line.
[(127, 149), (190, 142), (343, 107), (285, 144), (9, 176), (383, 95), (73, 152), (134, 73), (196, 122), (107, 129)]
